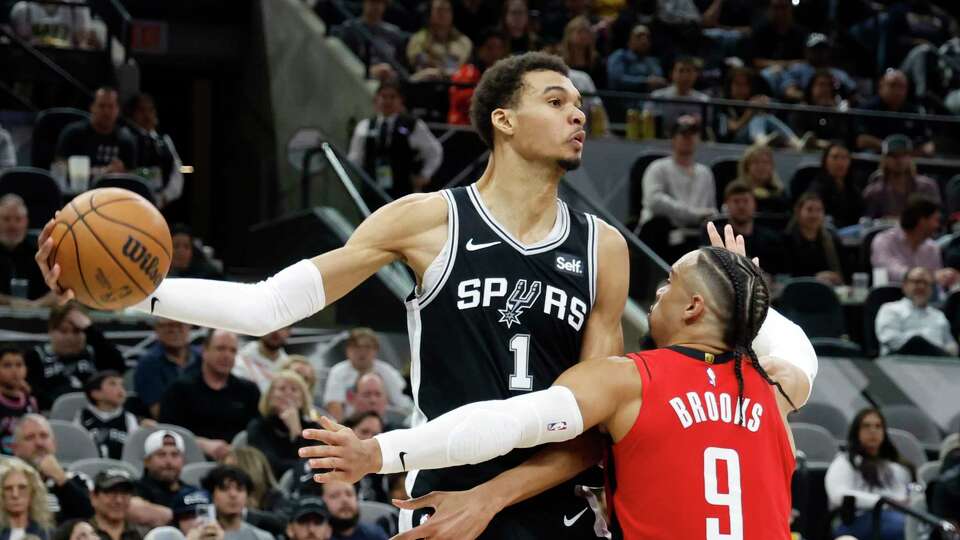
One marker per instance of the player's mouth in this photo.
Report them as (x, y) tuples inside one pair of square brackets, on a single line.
[(578, 138)]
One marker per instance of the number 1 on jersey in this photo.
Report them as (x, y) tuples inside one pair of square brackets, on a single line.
[(730, 499), (521, 379)]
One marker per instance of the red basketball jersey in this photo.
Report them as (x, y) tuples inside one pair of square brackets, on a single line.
[(691, 468)]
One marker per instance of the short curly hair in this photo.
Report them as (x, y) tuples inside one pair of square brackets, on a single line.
[(501, 84)]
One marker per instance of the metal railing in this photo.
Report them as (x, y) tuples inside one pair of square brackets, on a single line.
[(937, 523), (343, 168)]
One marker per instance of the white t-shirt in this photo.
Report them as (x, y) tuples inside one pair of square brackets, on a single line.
[(17, 534), (51, 25), (842, 480), (253, 366), (343, 376)]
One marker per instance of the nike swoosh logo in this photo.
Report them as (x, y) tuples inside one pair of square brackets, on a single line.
[(474, 247), (402, 464), (569, 522), (153, 304)]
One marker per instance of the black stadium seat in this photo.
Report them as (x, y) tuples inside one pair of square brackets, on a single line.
[(126, 181), (876, 298), (814, 307), (724, 171), (37, 188), (801, 180), (47, 130)]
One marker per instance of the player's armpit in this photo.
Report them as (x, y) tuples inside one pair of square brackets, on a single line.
[(791, 378), (608, 392), (603, 336)]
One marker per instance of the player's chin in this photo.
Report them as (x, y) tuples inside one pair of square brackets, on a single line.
[(570, 163)]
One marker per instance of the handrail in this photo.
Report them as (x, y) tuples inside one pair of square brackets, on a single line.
[(17, 97), (339, 164), (930, 519), (49, 64)]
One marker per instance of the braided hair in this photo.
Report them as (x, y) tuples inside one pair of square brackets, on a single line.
[(741, 292)]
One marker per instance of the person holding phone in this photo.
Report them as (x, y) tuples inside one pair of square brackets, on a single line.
[(228, 487)]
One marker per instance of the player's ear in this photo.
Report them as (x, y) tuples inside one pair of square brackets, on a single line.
[(694, 309), (503, 120)]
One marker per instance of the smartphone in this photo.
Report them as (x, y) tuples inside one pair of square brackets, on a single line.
[(206, 513)]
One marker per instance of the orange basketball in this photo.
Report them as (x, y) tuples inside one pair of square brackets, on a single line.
[(113, 247)]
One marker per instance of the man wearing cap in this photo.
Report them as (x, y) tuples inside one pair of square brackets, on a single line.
[(892, 97), (896, 179), (678, 194), (112, 491), (309, 521), (818, 54), (214, 404), (187, 515), (160, 486), (34, 443)]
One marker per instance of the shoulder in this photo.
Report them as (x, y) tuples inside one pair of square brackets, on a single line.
[(399, 224), (385, 367), (702, 170), (75, 128), (927, 183), (243, 385)]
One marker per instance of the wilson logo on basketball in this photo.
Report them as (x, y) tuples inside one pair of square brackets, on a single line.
[(138, 254)]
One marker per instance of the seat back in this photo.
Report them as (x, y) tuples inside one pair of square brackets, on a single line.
[(193, 473), (824, 415), (949, 444), (952, 196), (636, 180), (38, 189), (877, 297), (814, 307), (130, 182), (724, 171), (928, 471), (375, 513), (801, 180), (133, 452), (73, 442), (815, 442), (46, 132), (239, 440), (67, 406), (838, 347), (909, 447), (951, 309), (91, 466), (911, 418)]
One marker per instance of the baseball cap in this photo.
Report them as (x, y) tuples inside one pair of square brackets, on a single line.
[(109, 479), (687, 123), (155, 441), (309, 506), (897, 144), (817, 39), (164, 533), (186, 501)]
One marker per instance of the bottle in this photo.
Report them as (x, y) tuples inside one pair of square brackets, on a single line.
[(634, 126), (598, 120), (648, 127)]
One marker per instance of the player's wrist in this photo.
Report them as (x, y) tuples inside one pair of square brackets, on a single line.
[(371, 448)]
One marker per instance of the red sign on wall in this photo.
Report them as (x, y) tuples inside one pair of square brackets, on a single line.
[(148, 36)]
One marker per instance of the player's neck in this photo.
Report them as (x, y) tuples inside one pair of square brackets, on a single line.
[(521, 195), (696, 340)]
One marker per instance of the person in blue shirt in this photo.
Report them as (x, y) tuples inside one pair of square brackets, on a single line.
[(170, 357), (634, 68)]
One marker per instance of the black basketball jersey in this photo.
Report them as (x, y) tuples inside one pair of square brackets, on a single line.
[(109, 430), (502, 319)]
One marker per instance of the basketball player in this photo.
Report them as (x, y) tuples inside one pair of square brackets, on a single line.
[(513, 286), (701, 448)]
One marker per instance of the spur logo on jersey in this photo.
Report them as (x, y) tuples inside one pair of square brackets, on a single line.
[(694, 408), (525, 297), (520, 299), (569, 264)]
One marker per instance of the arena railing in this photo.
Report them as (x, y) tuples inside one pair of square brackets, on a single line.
[(369, 43), (948, 529)]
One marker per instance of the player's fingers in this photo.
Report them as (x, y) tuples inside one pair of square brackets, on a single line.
[(423, 531), (714, 235), (425, 501), (333, 463), (321, 451), (330, 425), (335, 475), (729, 240), (322, 435), (741, 245), (756, 261)]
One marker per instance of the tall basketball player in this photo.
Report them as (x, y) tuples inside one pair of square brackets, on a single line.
[(513, 286), (701, 448)]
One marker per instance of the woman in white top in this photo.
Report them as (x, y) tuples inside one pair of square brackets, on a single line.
[(23, 503), (870, 468)]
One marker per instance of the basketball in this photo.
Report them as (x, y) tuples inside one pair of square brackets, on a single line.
[(113, 247)]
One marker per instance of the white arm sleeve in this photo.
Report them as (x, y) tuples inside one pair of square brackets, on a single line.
[(254, 309), (781, 338), (483, 430)]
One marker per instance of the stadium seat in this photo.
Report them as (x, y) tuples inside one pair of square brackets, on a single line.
[(824, 415), (73, 442), (909, 447), (951, 309), (636, 180), (801, 180), (949, 444), (67, 406), (724, 171), (954, 425), (814, 307), (877, 297), (911, 418), (928, 471), (133, 448), (287, 482), (838, 347), (90, 467), (46, 132), (817, 444), (193, 473), (375, 513), (129, 182), (240, 440), (38, 189), (951, 197)]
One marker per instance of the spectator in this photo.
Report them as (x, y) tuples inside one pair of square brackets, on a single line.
[(869, 469), (170, 357), (35, 444), (75, 529), (678, 193), (8, 152), (634, 69), (912, 316), (266, 494), (15, 398), (188, 260), (112, 491), (214, 405), (160, 486), (818, 56), (515, 25), (260, 358), (53, 25), (778, 41), (155, 153), (911, 244), (383, 51), (187, 514), (579, 50), (821, 128), (362, 347), (740, 202), (749, 126), (104, 416), (684, 77), (24, 502), (366, 424), (492, 45), (812, 248), (554, 21), (945, 496), (341, 501), (369, 395), (757, 170), (837, 186), (397, 150), (309, 521), (474, 17), (892, 97), (285, 411), (437, 51), (372, 487), (76, 351), (228, 487), (887, 189), (17, 251), (302, 367), (681, 23), (111, 148)]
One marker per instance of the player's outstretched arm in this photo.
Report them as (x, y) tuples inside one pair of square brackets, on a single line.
[(392, 233)]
